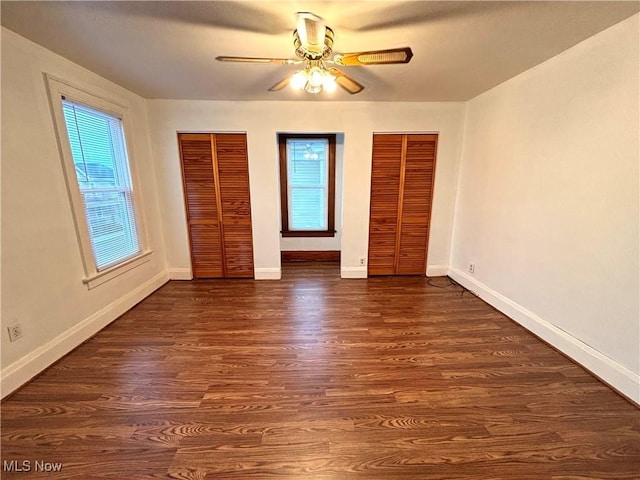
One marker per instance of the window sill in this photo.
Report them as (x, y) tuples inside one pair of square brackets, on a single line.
[(308, 233), (104, 276)]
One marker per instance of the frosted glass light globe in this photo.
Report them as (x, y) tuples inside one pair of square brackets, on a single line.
[(329, 83), (316, 77), (298, 80)]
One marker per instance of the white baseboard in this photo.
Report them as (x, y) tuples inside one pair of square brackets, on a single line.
[(267, 273), (180, 274), (353, 272), (437, 270), (23, 370), (604, 367), (361, 272), (259, 274)]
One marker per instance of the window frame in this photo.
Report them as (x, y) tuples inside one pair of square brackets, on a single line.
[(59, 90), (284, 185)]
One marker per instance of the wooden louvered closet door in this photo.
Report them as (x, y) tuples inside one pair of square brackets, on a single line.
[(216, 185), (201, 203), (231, 150), (385, 189), (402, 175)]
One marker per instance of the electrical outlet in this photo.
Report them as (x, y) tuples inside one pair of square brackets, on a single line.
[(472, 267), (361, 261), (15, 332)]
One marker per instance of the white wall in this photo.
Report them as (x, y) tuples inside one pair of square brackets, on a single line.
[(548, 202), (262, 121), (42, 269)]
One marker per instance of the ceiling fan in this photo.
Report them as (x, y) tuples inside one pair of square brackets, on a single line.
[(313, 43)]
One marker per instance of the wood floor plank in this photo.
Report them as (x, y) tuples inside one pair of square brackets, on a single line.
[(389, 378)]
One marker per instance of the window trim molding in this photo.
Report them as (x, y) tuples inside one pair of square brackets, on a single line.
[(284, 186), (57, 89)]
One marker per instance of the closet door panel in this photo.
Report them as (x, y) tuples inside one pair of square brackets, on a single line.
[(383, 218), (403, 168), (416, 204), (197, 168), (238, 251), (206, 250), (412, 252), (201, 205), (233, 175)]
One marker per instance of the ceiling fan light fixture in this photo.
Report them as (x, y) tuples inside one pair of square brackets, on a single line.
[(329, 83), (309, 88), (313, 79), (298, 80), (315, 76)]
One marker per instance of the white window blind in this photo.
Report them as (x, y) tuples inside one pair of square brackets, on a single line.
[(307, 172), (102, 171)]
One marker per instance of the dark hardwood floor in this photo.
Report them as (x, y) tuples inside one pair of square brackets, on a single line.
[(313, 377)]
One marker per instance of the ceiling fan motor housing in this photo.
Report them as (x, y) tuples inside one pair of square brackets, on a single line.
[(307, 53)]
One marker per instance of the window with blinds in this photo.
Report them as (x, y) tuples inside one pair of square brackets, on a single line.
[(307, 175), (102, 171)]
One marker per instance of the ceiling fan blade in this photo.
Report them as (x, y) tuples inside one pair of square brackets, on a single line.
[(286, 61), (346, 82), (374, 57), (311, 30), (280, 85)]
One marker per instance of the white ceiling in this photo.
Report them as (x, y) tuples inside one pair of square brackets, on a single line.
[(166, 49)]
